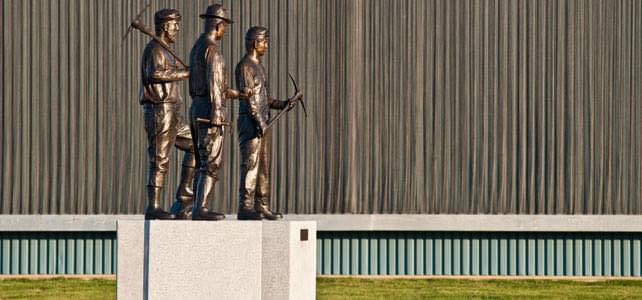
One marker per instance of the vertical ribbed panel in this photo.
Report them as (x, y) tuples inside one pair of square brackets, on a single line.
[(450, 253), (58, 253), (416, 106)]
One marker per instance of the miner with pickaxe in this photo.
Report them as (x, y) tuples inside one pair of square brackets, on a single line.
[(253, 128), (164, 124)]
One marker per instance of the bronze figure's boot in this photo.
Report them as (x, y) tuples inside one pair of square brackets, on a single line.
[(247, 211), (262, 206), (183, 205), (154, 211), (200, 211)]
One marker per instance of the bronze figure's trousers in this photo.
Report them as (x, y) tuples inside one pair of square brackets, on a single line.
[(165, 128), (209, 141), (210, 149), (255, 167)]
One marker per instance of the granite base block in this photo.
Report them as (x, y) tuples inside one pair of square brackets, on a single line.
[(216, 260)]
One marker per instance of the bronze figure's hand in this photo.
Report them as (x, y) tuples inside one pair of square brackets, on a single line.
[(183, 72), (262, 129), (234, 94), (292, 101)]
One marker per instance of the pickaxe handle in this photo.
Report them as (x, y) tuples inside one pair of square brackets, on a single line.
[(276, 118), (208, 121), (220, 124), (140, 26)]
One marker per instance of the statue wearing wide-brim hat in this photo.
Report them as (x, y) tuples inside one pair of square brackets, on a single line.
[(209, 89), (217, 11)]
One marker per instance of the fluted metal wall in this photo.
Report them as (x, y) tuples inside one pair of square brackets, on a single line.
[(58, 253), (415, 106), (479, 253)]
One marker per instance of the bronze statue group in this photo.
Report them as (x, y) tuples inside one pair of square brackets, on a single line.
[(203, 136)]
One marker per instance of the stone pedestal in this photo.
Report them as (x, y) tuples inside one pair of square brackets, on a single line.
[(216, 260)]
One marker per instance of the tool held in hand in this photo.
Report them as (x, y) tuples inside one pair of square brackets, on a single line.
[(300, 100), (236, 94)]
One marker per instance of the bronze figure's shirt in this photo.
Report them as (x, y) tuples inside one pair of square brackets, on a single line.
[(253, 111), (208, 76), (160, 76)]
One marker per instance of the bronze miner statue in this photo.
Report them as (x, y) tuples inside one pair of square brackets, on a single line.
[(164, 124), (209, 89), (253, 128)]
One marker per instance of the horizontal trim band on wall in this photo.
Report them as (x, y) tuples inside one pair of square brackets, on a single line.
[(351, 222)]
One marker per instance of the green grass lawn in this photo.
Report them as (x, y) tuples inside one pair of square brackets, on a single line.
[(57, 288), (360, 288)]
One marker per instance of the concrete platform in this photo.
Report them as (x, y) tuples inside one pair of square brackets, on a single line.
[(216, 260)]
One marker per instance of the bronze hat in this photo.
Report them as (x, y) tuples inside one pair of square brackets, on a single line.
[(257, 32), (217, 11), (166, 14)]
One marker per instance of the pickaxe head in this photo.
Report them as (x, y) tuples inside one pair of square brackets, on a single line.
[(296, 89), (136, 23)]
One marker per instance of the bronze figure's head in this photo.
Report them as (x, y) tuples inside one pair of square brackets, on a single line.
[(216, 18), (166, 24), (257, 39)]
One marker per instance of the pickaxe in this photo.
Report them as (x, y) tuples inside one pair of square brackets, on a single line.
[(138, 24), (296, 88)]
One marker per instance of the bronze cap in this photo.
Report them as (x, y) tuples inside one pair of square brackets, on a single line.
[(257, 32), (167, 14)]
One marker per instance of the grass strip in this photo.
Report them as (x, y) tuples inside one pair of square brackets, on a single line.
[(364, 288), (57, 288), (360, 288)]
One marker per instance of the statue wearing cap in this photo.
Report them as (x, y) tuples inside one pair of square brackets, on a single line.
[(209, 89), (164, 124), (253, 129)]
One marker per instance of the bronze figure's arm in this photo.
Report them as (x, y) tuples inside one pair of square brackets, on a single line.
[(159, 70), (248, 82), (286, 104), (216, 84), (235, 94), (277, 104), (290, 102)]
